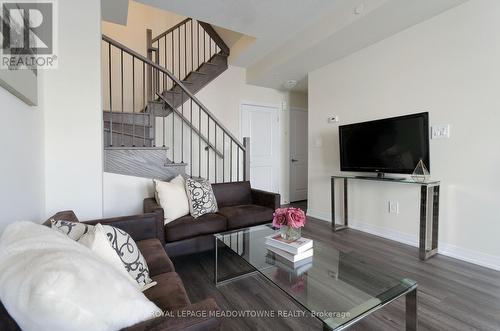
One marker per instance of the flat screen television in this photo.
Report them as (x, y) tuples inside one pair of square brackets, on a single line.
[(391, 145)]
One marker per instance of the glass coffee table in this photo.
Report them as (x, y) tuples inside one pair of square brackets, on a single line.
[(337, 288)]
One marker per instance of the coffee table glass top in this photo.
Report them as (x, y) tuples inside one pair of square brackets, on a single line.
[(336, 287)]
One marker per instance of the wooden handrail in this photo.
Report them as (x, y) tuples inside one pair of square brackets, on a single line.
[(177, 81)]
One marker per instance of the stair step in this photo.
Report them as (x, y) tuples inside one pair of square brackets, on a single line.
[(141, 162), (197, 72), (140, 148), (186, 82), (127, 118), (120, 133)]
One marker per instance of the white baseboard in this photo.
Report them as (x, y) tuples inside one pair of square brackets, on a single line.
[(479, 258)]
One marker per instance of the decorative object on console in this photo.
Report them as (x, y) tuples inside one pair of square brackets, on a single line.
[(171, 196), (420, 174), (289, 221), (72, 229), (201, 197)]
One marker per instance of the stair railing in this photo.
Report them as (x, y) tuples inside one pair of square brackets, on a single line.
[(183, 48), (191, 132)]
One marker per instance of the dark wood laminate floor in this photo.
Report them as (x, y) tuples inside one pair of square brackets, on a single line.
[(453, 295)]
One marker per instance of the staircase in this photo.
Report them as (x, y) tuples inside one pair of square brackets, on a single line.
[(154, 126)]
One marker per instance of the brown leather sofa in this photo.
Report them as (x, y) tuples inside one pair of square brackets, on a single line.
[(239, 205), (169, 294)]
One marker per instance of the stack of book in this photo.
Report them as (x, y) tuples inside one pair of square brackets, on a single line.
[(295, 256)]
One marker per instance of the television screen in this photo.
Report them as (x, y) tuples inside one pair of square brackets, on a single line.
[(392, 145)]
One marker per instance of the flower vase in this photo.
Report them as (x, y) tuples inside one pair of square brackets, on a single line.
[(290, 234)]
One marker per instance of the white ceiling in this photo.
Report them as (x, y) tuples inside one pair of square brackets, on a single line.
[(114, 11), (294, 37)]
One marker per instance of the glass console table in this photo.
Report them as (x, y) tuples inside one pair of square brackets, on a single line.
[(429, 209)]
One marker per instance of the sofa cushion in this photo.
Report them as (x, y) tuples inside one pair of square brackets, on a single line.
[(169, 293), (246, 215), (188, 227), (232, 194), (156, 258)]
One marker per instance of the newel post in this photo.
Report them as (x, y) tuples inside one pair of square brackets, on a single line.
[(246, 161)]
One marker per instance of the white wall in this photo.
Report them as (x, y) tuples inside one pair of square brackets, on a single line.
[(21, 165), (73, 114), (450, 67)]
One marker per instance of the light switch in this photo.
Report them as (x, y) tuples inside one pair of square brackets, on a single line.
[(440, 131), (318, 142)]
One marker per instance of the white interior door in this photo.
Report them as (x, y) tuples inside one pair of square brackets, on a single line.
[(260, 123), (298, 155)]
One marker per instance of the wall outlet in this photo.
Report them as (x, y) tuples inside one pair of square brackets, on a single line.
[(393, 207), (440, 131)]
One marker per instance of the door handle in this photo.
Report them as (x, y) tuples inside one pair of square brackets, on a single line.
[(293, 160)]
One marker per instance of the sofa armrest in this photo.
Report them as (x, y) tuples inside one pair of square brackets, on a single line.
[(139, 227), (150, 205), (266, 199), (195, 317)]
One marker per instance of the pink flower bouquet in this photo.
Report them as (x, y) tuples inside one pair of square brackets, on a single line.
[(291, 217)]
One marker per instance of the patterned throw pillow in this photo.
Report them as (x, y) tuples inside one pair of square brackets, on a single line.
[(201, 197), (127, 250), (74, 230)]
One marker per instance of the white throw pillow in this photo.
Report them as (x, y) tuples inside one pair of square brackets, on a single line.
[(97, 241), (50, 282), (74, 230), (172, 198), (130, 256)]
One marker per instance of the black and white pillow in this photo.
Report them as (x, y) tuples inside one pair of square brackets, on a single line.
[(201, 197), (128, 252), (74, 230)]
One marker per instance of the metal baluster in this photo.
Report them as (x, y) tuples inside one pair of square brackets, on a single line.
[(182, 126), (191, 141), (204, 46), (238, 163), (133, 101), (198, 43), (165, 87), (199, 141), (144, 102), (163, 125), (231, 161), (110, 100), (192, 50), (208, 149), (173, 59), (185, 50), (173, 129), (223, 157), (121, 63), (179, 50), (215, 154)]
